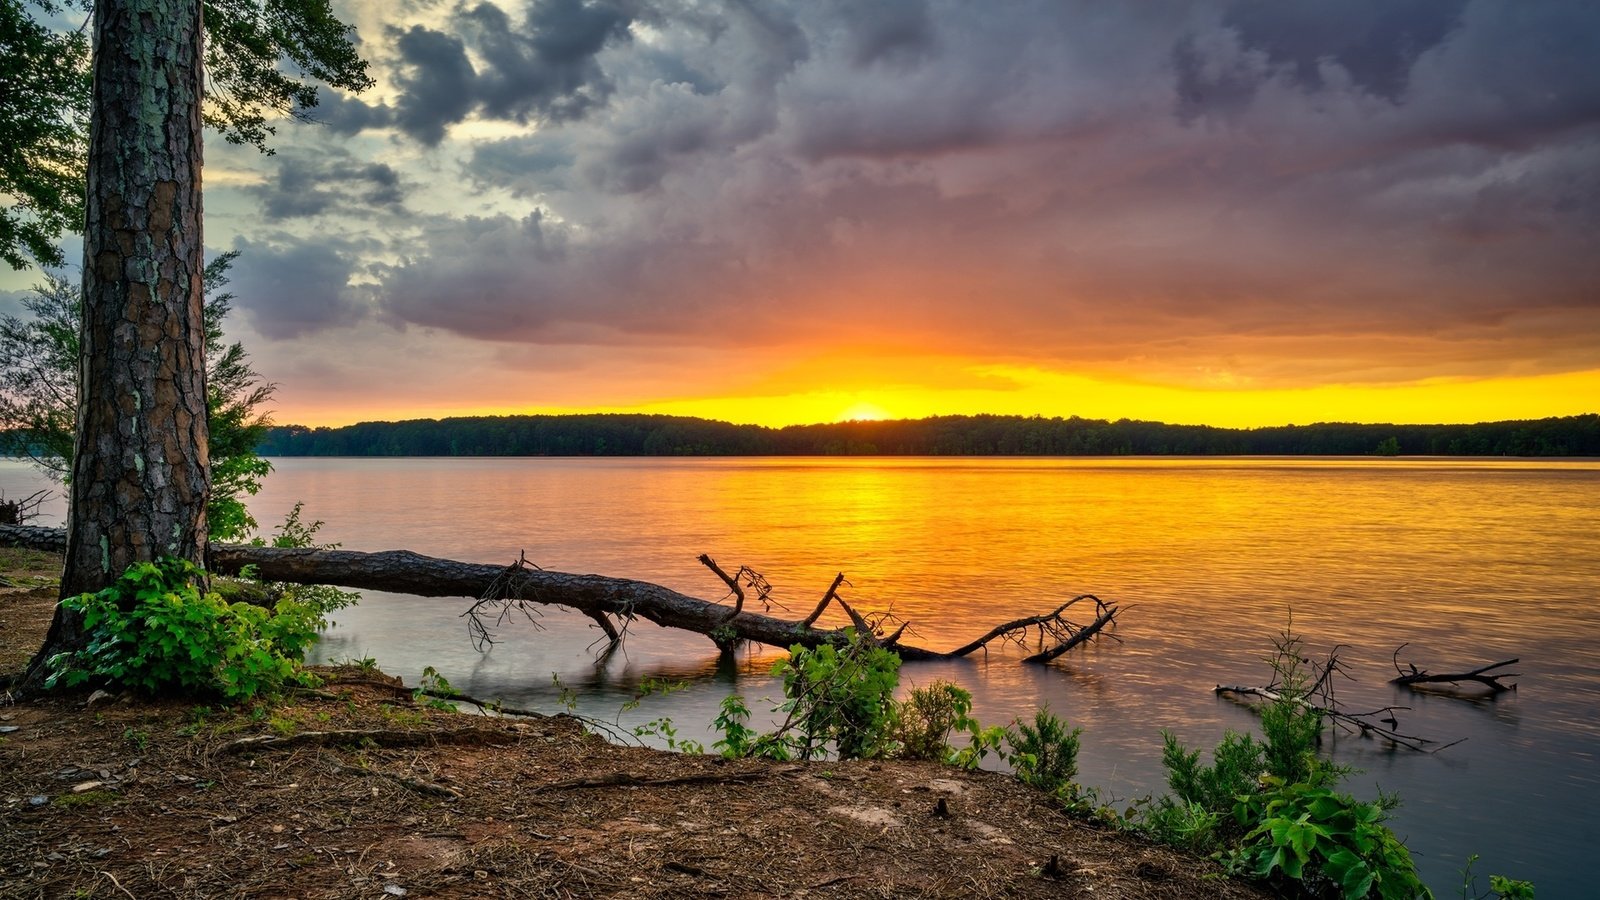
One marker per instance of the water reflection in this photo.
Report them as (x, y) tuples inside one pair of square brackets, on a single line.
[(1470, 561)]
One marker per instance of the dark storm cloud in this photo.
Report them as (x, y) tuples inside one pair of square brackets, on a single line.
[(543, 67), (545, 70), (291, 288), (1049, 181), (307, 185), (1375, 41), (436, 81), (346, 115), (894, 31)]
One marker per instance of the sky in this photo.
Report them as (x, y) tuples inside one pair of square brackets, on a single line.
[(1231, 213)]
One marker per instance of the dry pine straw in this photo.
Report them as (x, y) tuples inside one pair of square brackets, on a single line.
[(438, 804)]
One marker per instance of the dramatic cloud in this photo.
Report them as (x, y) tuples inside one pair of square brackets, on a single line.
[(1239, 193), (290, 288), (542, 68), (314, 185)]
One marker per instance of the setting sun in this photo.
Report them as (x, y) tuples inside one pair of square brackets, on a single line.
[(863, 412)]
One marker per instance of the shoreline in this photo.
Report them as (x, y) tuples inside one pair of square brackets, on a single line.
[(360, 789)]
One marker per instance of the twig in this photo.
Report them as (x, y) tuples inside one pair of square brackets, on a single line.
[(827, 598), (729, 580)]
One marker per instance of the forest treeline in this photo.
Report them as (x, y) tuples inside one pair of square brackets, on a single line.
[(654, 435)]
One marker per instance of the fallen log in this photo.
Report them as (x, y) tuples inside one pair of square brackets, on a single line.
[(501, 590), (1480, 675)]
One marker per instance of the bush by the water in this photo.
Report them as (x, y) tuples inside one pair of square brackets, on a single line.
[(156, 631)]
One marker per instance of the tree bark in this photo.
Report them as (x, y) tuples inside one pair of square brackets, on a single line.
[(140, 473), (598, 596), (401, 571)]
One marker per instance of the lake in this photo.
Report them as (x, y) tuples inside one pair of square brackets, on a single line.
[(1470, 561)]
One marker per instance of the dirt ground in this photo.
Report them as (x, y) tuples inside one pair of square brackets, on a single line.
[(357, 790)]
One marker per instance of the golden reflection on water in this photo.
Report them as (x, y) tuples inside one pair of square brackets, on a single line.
[(1468, 560)]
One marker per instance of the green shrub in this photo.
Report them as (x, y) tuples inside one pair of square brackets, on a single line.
[(738, 738), (1500, 887), (925, 719), (1198, 817), (1237, 765), (156, 632), (1186, 824), (1291, 724), (841, 696), (1044, 754), (297, 534), (1331, 843)]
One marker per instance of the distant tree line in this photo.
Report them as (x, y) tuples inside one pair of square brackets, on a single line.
[(648, 435)]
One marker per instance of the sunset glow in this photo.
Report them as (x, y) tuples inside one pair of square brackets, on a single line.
[(1245, 214)]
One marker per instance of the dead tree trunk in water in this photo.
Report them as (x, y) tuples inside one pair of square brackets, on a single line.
[(499, 590)]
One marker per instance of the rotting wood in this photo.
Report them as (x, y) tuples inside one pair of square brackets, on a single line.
[(500, 591), (1416, 676)]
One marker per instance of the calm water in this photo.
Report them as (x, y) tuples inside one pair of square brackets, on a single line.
[(1470, 561)]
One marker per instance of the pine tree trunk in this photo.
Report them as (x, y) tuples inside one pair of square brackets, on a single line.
[(140, 473)]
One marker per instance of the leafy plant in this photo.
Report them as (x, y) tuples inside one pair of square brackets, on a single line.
[(1500, 887), (298, 534), (1198, 816), (664, 729), (154, 630), (1186, 824), (431, 685), (1237, 765), (138, 738), (926, 718), (839, 696), (1310, 834), (738, 739), (1045, 753)]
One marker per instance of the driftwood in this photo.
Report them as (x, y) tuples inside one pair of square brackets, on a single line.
[(501, 591), (1319, 698), (1416, 676), (1374, 723)]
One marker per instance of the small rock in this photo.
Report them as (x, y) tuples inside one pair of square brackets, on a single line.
[(82, 786), (7, 729), (38, 800), (55, 857), (394, 889), (96, 697)]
